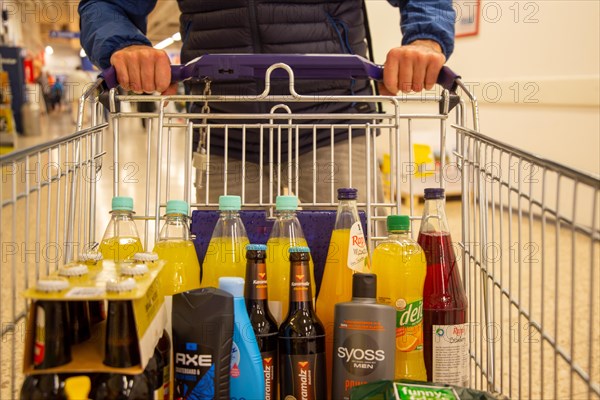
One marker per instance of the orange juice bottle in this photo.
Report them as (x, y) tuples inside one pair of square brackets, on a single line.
[(286, 233), (347, 254), (400, 266), (182, 269), (121, 239), (226, 253)]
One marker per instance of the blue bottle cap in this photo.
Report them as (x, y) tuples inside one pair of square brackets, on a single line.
[(232, 285), (256, 247), (434, 193), (299, 249), (230, 203), (122, 203), (177, 207), (347, 194), (286, 203)]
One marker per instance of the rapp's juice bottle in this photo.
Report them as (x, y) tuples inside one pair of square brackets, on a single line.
[(347, 254)]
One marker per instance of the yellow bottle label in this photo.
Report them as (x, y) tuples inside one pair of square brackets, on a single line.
[(409, 325)]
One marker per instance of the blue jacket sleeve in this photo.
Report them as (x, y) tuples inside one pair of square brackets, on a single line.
[(109, 25), (427, 19)]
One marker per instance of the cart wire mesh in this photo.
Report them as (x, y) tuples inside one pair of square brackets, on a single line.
[(531, 257), (526, 222)]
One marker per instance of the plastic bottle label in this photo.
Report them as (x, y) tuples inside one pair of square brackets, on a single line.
[(450, 350), (235, 361), (409, 325), (357, 249), (39, 348)]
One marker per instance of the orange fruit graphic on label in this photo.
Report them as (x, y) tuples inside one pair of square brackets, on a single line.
[(262, 275), (406, 343), (299, 277), (303, 364)]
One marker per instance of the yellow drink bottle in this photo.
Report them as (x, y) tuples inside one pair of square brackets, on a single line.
[(226, 251), (121, 239), (182, 269), (286, 233), (347, 254), (400, 266)]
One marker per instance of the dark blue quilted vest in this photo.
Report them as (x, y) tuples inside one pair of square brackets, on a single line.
[(275, 26)]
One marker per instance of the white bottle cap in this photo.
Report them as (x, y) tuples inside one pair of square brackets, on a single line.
[(134, 270), (52, 285), (120, 285), (145, 257), (90, 256), (73, 269)]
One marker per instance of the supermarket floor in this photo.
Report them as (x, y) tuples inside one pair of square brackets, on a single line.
[(536, 284)]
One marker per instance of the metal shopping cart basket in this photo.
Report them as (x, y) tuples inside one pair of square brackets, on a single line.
[(528, 227)]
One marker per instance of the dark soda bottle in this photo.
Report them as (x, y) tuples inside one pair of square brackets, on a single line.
[(122, 351), (263, 323), (43, 387), (301, 337), (164, 348), (445, 333), (79, 313), (52, 344)]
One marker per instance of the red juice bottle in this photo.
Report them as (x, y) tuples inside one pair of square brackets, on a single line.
[(445, 333)]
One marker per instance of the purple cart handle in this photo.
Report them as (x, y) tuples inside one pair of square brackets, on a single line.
[(254, 66)]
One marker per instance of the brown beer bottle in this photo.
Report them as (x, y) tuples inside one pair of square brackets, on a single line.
[(79, 314), (121, 351), (97, 308), (263, 323), (52, 344), (301, 337)]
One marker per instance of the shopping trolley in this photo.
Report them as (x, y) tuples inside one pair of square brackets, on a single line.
[(517, 211)]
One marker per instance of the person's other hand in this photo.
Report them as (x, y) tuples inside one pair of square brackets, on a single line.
[(143, 69), (412, 67)]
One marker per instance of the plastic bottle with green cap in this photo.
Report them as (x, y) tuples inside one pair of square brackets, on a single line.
[(286, 233), (181, 271), (400, 266), (226, 251), (121, 239)]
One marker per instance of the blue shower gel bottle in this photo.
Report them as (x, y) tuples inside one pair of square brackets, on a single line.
[(246, 379)]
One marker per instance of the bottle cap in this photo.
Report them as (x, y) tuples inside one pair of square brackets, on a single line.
[(286, 203), (299, 249), (91, 255), (256, 252), (398, 223), (232, 285), (145, 257), (78, 387), (134, 270), (347, 194), (256, 247), (177, 207), (364, 285), (52, 285), (119, 285), (230, 203), (73, 269), (121, 203), (434, 193)]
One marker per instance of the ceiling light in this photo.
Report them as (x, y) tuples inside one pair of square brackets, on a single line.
[(49, 50), (165, 43), (82, 53), (176, 37)]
